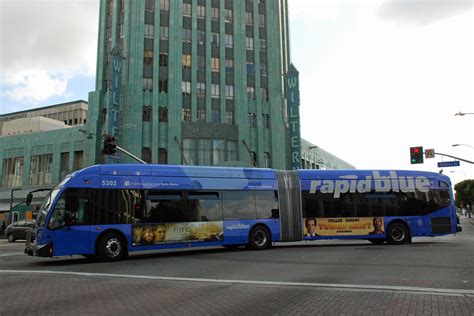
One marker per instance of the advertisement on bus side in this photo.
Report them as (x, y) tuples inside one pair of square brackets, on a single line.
[(171, 233), (350, 226)]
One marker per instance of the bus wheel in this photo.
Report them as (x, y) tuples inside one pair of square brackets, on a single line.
[(377, 241), (397, 234), (259, 238), (111, 247)]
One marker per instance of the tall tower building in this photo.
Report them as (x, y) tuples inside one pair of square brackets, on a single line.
[(197, 82)]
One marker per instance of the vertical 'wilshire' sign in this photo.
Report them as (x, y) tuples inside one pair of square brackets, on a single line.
[(113, 110), (293, 102)]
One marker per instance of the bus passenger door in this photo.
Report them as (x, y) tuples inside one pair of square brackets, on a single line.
[(70, 234)]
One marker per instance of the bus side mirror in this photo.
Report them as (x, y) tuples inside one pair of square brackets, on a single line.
[(29, 198)]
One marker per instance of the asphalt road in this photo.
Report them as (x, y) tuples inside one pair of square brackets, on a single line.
[(430, 276)]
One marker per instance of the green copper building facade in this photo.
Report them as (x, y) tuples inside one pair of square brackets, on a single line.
[(200, 82)]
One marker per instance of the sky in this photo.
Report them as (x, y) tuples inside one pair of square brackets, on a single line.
[(376, 76)]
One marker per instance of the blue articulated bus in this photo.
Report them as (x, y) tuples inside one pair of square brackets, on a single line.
[(107, 211)]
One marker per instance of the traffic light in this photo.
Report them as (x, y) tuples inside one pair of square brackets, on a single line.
[(416, 154), (110, 147)]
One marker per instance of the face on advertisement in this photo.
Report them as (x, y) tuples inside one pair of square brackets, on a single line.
[(378, 225), (311, 225), (147, 235), (160, 233)]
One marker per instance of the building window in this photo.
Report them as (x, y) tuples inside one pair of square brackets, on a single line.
[(149, 5), (201, 11), (165, 5), (186, 115), (248, 18), (214, 13), (41, 169), (264, 93), (146, 113), (162, 156), (252, 120), (229, 65), (163, 86), (146, 154), (64, 165), (215, 91), (201, 63), (164, 32), (201, 115), (163, 114), (261, 20), (229, 117), (78, 160), (189, 151), (229, 92), (201, 37), (149, 30), (215, 64), (266, 120), (263, 69), (228, 15), (148, 84), (250, 68), (229, 40), (187, 35), (163, 59), (263, 44), (249, 43), (232, 154), (215, 116), (215, 39), (266, 160), (201, 89), (13, 172), (187, 9), (251, 92), (186, 61), (186, 87)]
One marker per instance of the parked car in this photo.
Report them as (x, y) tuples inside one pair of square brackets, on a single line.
[(18, 230)]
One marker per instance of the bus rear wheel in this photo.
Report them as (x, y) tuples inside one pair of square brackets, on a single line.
[(398, 234), (259, 238), (111, 247)]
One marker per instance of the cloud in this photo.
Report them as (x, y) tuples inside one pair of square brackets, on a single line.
[(422, 12), (36, 86), (44, 44)]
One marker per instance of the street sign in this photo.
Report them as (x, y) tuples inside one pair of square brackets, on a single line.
[(429, 153), (448, 164)]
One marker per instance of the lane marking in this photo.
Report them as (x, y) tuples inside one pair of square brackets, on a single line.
[(411, 289)]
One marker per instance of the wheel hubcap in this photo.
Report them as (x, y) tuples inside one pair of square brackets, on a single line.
[(260, 238), (113, 247), (398, 234)]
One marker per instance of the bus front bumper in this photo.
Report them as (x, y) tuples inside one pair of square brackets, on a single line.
[(32, 249)]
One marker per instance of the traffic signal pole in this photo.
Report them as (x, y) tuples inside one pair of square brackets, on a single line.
[(130, 155), (468, 161)]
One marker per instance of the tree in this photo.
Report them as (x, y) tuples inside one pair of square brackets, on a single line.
[(465, 194)]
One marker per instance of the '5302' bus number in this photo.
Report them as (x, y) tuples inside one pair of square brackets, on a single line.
[(109, 183)]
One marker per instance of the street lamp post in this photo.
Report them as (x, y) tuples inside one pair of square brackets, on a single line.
[(462, 114), (456, 145)]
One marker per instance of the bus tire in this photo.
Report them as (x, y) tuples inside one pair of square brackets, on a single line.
[(377, 241), (111, 247), (259, 238), (398, 234)]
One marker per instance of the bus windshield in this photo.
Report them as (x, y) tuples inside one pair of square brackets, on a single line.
[(44, 208)]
